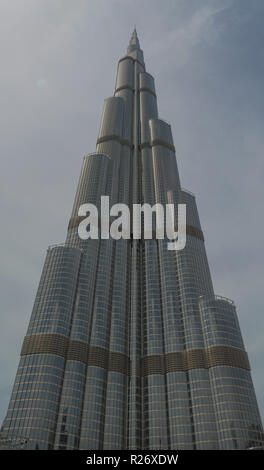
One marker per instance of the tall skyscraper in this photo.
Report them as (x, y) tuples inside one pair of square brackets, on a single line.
[(128, 347)]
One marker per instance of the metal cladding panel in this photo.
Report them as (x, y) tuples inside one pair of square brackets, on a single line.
[(125, 74), (124, 176), (55, 297), (220, 323), (112, 118), (160, 131), (127, 95), (148, 110), (84, 302), (136, 55), (92, 181), (192, 216), (146, 81), (231, 396), (147, 181)]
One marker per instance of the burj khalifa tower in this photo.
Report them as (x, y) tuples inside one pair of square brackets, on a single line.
[(128, 347)]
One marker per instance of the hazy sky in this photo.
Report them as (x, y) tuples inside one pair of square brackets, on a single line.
[(58, 63)]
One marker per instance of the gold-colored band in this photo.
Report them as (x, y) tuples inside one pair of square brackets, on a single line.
[(124, 87), (179, 361), (148, 90), (155, 142), (134, 60), (202, 358), (117, 138), (129, 87)]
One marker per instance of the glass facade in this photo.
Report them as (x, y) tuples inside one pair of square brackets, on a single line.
[(128, 347)]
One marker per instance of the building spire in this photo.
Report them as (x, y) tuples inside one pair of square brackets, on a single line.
[(134, 42), (134, 49)]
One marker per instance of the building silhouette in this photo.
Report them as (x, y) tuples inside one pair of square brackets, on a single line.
[(128, 347)]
